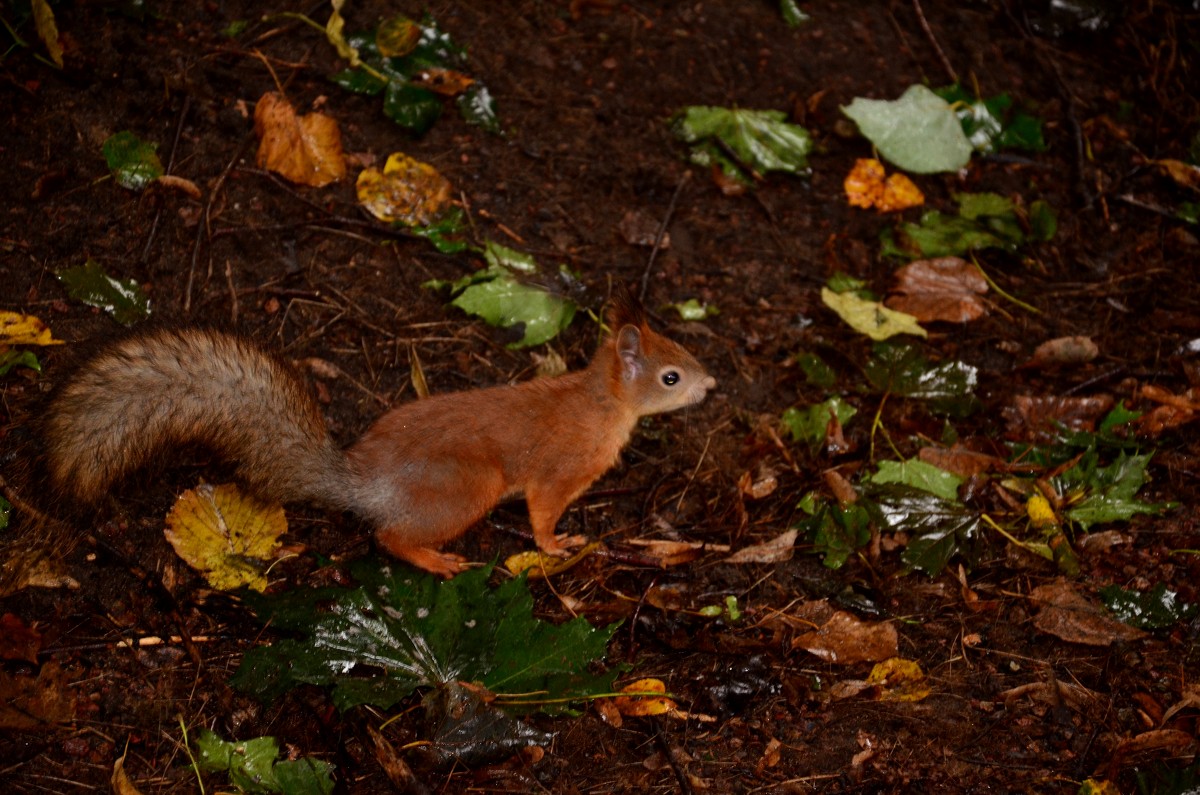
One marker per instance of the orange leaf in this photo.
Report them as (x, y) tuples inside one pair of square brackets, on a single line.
[(305, 149), (446, 82), (866, 186)]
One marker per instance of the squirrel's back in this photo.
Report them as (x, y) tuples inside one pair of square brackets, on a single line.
[(154, 391)]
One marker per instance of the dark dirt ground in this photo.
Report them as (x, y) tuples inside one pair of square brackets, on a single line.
[(584, 98)]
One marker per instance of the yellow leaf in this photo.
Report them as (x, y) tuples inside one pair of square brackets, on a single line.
[(650, 698), (334, 33), (540, 565), (18, 329), (304, 149), (870, 317), (407, 191), (899, 680), (1093, 787), (47, 30), (227, 536), (397, 37), (1041, 515)]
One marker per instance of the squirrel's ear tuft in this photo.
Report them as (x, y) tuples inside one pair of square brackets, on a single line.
[(625, 310)]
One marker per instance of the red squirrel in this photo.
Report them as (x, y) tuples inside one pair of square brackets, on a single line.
[(423, 474)]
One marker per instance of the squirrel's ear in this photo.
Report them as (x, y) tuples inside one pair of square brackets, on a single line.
[(625, 310), (629, 352)]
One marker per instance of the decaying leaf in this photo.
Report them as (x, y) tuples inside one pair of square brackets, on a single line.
[(779, 548), (36, 703), (870, 317), (407, 191), (19, 329), (446, 82), (1066, 614), (304, 149), (1183, 173), (899, 679), (1064, 350), (47, 30), (845, 640), (227, 536), (946, 289), (539, 565), (867, 186), (1041, 417), (959, 460), (640, 229), (120, 782)]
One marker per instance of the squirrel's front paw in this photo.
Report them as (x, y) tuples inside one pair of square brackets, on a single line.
[(563, 545)]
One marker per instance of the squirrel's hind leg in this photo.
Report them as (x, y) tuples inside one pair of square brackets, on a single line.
[(434, 561)]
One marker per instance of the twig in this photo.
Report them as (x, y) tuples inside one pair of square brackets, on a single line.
[(203, 226), (662, 231), (934, 42), (183, 112)]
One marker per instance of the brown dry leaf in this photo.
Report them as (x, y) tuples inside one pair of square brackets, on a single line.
[(844, 639), (650, 699), (759, 484), (946, 289), (960, 461), (770, 756), (1167, 742), (1065, 613), (1183, 173), (120, 781), (866, 186), (18, 641), (1053, 693), (842, 489), (305, 149), (673, 553), (639, 229), (446, 82), (1064, 350), (1038, 417), (407, 191), (35, 703), (1191, 698), (777, 549)]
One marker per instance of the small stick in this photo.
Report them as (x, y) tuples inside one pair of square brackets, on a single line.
[(933, 41), (662, 230)]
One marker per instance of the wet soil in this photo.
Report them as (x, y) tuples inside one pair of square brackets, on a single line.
[(585, 91)]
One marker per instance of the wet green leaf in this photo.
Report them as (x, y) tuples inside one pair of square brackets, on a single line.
[(1110, 490), (401, 630), (842, 282), (18, 358), (792, 14), (124, 300), (919, 132), (816, 371), (808, 424), (5, 512), (919, 475), (835, 531), (133, 162), (412, 107), (744, 143), (987, 125), (254, 766), (899, 368), (1189, 211), (938, 529), (1157, 608), (478, 107)]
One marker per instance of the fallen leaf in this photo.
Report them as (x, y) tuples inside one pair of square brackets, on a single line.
[(946, 289), (959, 460), (226, 535), (639, 229), (1184, 174), (919, 132), (870, 317), (1064, 613), (35, 703), (1040, 417), (539, 565), (446, 82), (47, 30), (407, 191), (120, 781), (845, 640), (18, 329), (18, 641), (1191, 698), (866, 186), (759, 484), (674, 553), (1064, 350), (650, 699), (304, 149), (899, 679), (777, 549)]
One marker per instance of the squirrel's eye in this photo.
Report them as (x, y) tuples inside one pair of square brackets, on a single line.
[(670, 378)]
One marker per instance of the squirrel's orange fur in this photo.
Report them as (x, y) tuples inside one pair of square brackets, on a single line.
[(421, 475)]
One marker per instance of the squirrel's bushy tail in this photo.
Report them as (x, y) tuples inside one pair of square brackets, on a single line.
[(148, 394)]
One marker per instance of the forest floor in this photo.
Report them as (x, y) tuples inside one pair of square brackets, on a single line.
[(770, 685)]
